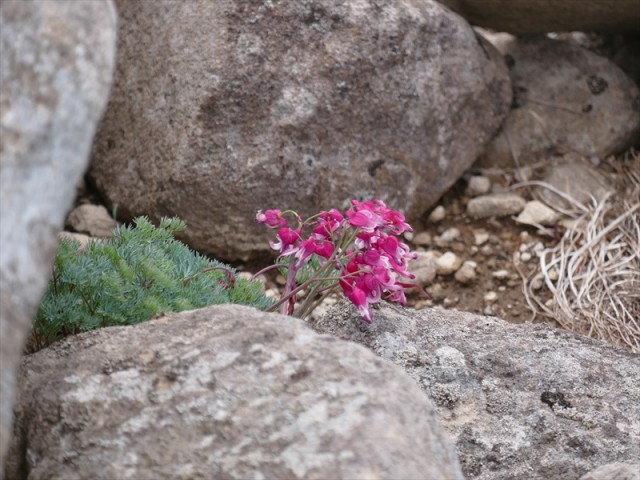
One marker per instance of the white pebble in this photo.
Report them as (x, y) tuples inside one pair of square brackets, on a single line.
[(524, 236), (480, 237), (525, 256), (437, 215), (272, 293), (447, 237), (447, 302), (450, 234), (478, 185), (448, 263), (490, 297), (467, 273), (422, 239), (537, 213), (424, 267), (500, 274)]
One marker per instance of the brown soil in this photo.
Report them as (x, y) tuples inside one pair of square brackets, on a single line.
[(506, 239)]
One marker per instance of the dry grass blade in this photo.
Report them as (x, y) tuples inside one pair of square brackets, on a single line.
[(597, 264)]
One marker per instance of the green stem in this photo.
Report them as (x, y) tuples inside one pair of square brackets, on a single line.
[(310, 305), (287, 296)]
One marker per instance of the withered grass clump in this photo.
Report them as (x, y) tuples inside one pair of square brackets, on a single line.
[(597, 265)]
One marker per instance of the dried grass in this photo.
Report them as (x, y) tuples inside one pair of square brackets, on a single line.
[(597, 265)]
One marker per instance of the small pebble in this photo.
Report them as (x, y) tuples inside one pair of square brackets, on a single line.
[(437, 215), (495, 205), (447, 237), (488, 310), (502, 288), (486, 251), (437, 291), (553, 275), (447, 302), (478, 185), (525, 237), (490, 297), (500, 274), (525, 256), (272, 293), (480, 237), (422, 239), (467, 273), (448, 263), (94, 220), (424, 267), (537, 213)]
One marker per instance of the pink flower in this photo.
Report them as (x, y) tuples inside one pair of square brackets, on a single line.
[(318, 246), (396, 221), (271, 218), (358, 297), (328, 223), (363, 215), (369, 259), (286, 241)]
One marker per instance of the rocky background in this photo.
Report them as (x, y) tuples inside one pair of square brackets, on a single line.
[(490, 141)]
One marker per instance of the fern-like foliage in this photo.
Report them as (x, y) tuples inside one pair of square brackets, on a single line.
[(140, 272)]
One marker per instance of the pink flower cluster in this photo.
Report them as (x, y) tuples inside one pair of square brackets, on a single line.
[(359, 250)]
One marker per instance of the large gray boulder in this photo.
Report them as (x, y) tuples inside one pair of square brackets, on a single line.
[(522, 402), (223, 392), (223, 108), (525, 17), (56, 66), (566, 100)]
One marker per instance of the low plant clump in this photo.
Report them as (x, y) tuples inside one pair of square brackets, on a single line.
[(140, 272)]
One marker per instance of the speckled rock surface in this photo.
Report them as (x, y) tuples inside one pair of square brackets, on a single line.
[(223, 108), (525, 17), (56, 66), (224, 392), (522, 401), (615, 471), (566, 99)]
